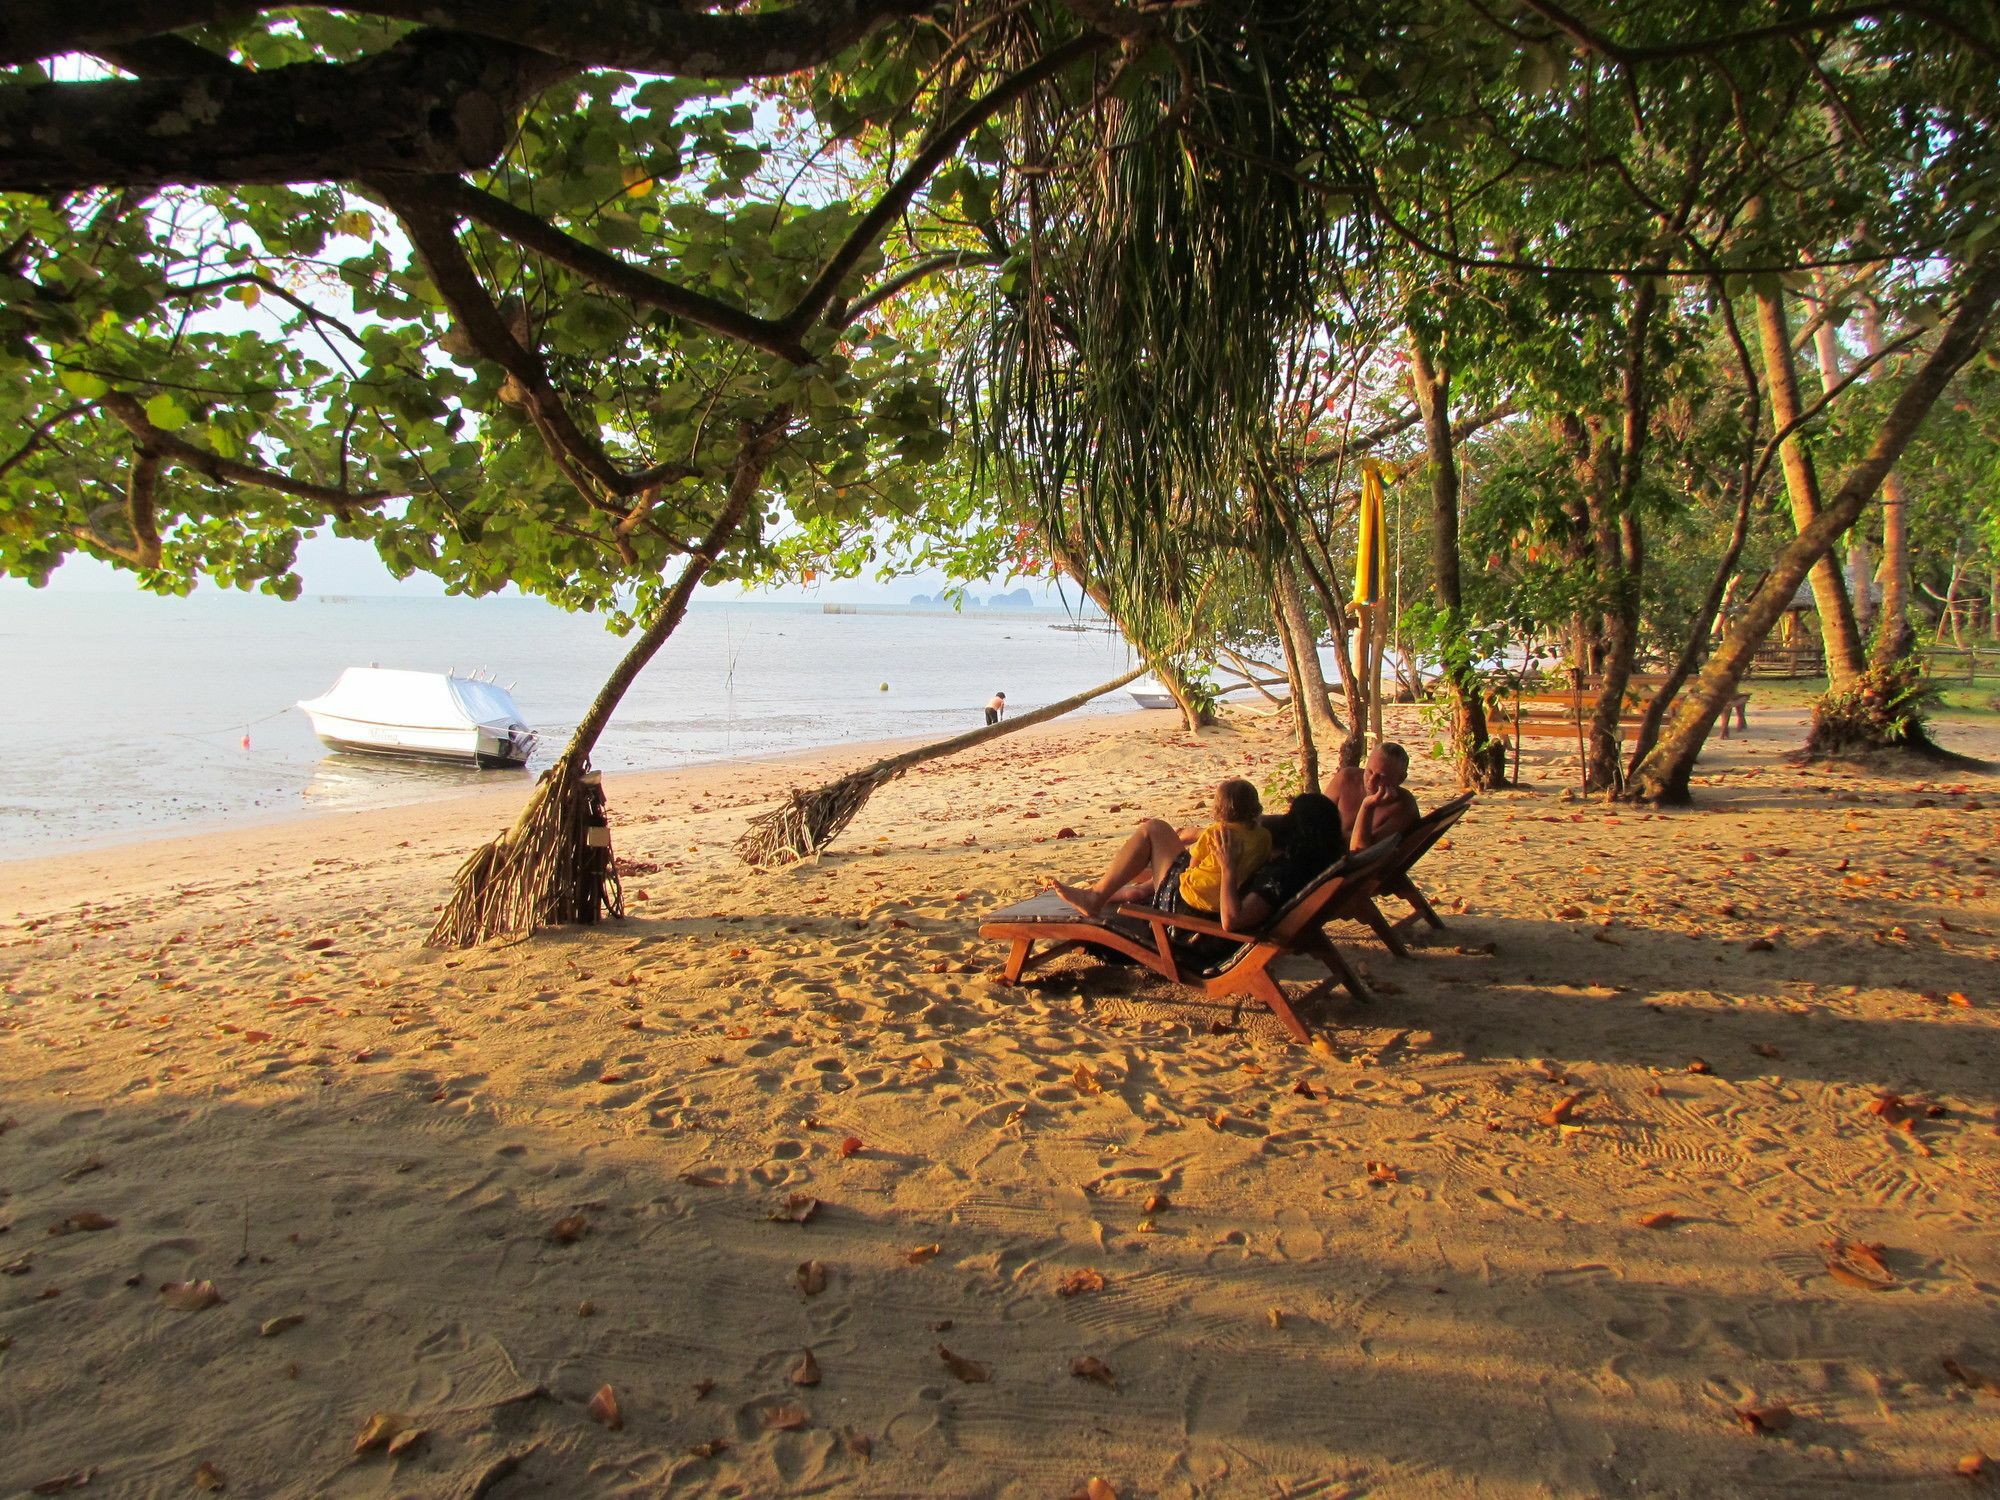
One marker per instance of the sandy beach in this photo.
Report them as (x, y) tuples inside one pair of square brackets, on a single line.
[(469, 1191)]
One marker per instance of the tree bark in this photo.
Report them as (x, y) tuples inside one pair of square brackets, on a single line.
[(1860, 561), (1844, 662), (1893, 637), (1301, 719), (1292, 605), (1481, 760), (1665, 774)]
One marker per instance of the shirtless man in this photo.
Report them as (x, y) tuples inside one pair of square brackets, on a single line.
[(1373, 801)]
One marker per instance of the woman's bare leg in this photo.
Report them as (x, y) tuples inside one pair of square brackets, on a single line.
[(1152, 847)]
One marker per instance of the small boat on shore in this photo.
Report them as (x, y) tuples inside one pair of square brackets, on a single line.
[(429, 715), (1150, 692)]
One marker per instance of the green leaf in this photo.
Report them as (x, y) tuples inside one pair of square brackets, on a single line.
[(85, 385), (165, 413)]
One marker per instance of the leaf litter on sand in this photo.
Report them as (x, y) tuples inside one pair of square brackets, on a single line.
[(380, 1430), (1090, 1367), (796, 1209), (806, 1370), (84, 1222), (1561, 1112), (785, 1417), (605, 1410), (1087, 1279), (568, 1229), (811, 1277), (971, 1371), (1762, 1419), (190, 1296), (1966, 1376), (1858, 1263), (209, 1479)]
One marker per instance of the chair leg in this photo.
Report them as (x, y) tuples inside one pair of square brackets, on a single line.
[(1017, 961), (1267, 989), (1381, 926), (1336, 962), (1423, 908)]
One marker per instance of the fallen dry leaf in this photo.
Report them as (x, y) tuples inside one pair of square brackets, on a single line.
[(1095, 1489), (806, 1371), (1078, 1282), (1560, 1112), (702, 1387), (1090, 1367), (209, 1479), (1157, 1203), (1086, 1081), (1974, 1465), (568, 1229), (270, 1328), (796, 1209), (918, 1254), (1966, 1376), (1697, 1065), (1275, 1316), (811, 1277), (84, 1222), (406, 1440), (786, 1418), (1570, 914), (1773, 1418), (190, 1296), (700, 1179), (604, 1409), (1381, 1171), (1851, 1277), (1659, 1220), (851, 1145), (380, 1430), (969, 1370), (76, 1479), (710, 1449), (1959, 999), (860, 1444)]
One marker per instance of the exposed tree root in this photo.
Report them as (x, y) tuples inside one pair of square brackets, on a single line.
[(553, 866)]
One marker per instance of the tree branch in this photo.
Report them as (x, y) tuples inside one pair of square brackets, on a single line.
[(433, 102), (161, 445), (639, 35)]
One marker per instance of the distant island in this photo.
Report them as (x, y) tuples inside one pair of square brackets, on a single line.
[(1018, 599)]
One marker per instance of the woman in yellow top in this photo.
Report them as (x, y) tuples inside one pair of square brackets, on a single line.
[(1198, 872)]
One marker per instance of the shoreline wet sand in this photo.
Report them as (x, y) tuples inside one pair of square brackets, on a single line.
[(488, 1184)]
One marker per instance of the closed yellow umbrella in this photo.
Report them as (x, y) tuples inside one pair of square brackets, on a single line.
[(1368, 545)]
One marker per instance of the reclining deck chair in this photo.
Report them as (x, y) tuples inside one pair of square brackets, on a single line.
[(1147, 936), (1394, 880)]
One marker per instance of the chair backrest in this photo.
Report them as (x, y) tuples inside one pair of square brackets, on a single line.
[(1416, 840), (1337, 880)]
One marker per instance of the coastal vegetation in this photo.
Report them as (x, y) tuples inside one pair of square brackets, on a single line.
[(1643, 324)]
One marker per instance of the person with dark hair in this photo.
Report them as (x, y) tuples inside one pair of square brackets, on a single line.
[(1198, 872), (1307, 838), (995, 707)]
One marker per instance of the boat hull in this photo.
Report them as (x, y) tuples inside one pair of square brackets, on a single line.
[(484, 745), (1155, 700)]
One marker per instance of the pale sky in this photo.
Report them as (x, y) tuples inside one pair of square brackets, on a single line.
[(343, 565)]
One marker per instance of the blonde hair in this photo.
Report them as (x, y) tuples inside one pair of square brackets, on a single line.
[(1236, 801)]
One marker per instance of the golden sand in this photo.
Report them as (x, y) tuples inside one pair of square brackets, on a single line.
[(468, 1192)]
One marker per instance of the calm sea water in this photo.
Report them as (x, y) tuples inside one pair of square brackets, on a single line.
[(125, 714)]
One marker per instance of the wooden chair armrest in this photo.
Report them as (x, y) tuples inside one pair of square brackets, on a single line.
[(1179, 920)]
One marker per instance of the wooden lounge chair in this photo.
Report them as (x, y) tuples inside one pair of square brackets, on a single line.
[(1394, 880), (1147, 936)]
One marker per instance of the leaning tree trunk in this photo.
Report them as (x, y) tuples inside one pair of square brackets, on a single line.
[(1894, 639), (1354, 741), (539, 872), (1665, 774), (1481, 759), (1860, 561), (809, 821), (1196, 712), (1302, 721), (1291, 603), (1844, 661), (1698, 631)]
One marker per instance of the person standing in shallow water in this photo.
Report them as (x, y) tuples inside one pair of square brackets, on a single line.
[(995, 707)]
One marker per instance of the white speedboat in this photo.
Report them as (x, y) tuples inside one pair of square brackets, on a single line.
[(1150, 692), (433, 715)]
